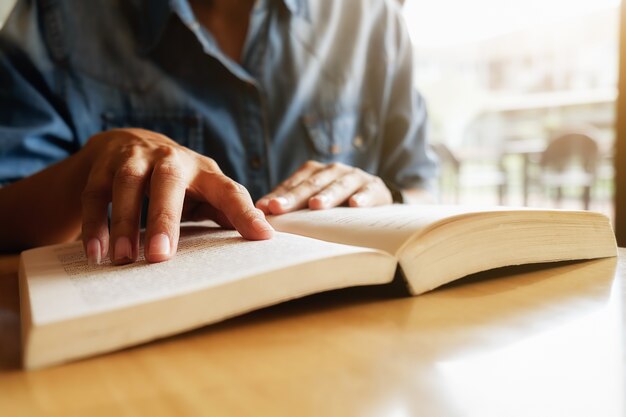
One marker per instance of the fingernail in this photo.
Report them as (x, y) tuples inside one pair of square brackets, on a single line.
[(94, 252), (123, 249), (322, 198), (358, 199), (159, 245), (263, 205), (261, 226), (282, 201)]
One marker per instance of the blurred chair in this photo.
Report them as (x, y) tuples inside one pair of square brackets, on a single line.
[(570, 160), (453, 175)]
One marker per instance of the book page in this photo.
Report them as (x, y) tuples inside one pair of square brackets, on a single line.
[(62, 285), (385, 228)]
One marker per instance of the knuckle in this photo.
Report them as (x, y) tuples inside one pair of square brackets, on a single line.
[(124, 223), (169, 171), (211, 164), (129, 150), (340, 182), (93, 193), (234, 189), (233, 194), (312, 182), (164, 217), (131, 174), (166, 151), (203, 165)]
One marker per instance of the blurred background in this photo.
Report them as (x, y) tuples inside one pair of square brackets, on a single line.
[(521, 96)]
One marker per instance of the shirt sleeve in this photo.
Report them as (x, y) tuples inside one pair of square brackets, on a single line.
[(33, 131), (407, 161)]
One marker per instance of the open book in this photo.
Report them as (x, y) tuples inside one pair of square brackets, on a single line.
[(72, 310)]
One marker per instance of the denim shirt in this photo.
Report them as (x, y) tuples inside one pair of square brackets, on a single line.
[(326, 80)]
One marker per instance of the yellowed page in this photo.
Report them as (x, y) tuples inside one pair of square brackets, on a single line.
[(385, 228), (63, 286), (466, 245)]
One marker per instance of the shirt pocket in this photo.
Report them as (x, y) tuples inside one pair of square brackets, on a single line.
[(345, 136), (184, 128)]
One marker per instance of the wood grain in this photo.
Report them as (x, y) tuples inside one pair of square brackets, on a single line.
[(473, 348)]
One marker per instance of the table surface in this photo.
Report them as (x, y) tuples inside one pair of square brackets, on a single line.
[(525, 341)]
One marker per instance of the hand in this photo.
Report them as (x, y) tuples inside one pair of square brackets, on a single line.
[(125, 165), (320, 186)]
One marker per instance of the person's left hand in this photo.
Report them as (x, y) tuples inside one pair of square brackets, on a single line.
[(319, 186)]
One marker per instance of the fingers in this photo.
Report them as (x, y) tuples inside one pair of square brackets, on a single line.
[(234, 203), (168, 184), (297, 197), (318, 186), (131, 162), (127, 163), (128, 191), (339, 190), (306, 173), (198, 211), (357, 188), (374, 193), (123, 186), (95, 231)]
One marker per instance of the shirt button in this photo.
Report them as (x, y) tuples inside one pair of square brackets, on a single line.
[(256, 162), (358, 142)]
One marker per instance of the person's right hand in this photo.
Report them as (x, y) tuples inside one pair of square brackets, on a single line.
[(126, 164)]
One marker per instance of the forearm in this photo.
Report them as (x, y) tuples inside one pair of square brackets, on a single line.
[(44, 208)]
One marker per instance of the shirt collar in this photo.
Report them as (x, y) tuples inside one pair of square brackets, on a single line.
[(155, 15)]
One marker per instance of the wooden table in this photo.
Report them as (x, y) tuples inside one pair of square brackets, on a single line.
[(517, 342)]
